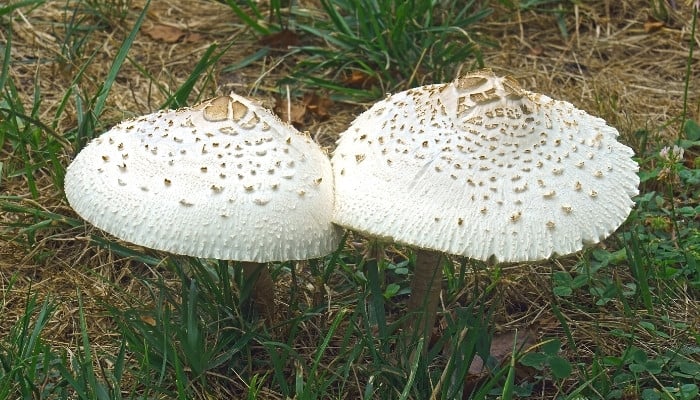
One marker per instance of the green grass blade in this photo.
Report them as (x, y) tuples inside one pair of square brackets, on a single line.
[(193, 344), (180, 378), (5, 69), (179, 98), (377, 298), (247, 19), (119, 367), (507, 392), (639, 270), (72, 88), (101, 97), (414, 364), (4, 10), (338, 21), (86, 348), (688, 69), (248, 60), (326, 340)]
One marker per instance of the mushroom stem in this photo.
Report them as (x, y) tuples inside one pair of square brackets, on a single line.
[(425, 295), (262, 291)]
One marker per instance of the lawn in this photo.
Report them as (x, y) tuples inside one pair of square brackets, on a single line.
[(85, 315)]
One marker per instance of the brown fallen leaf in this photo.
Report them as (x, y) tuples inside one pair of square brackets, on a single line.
[(165, 33), (293, 113), (148, 320), (537, 51), (172, 34), (500, 352), (297, 113), (317, 105), (280, 40), (193, 37), (651, 25), (358, 80)]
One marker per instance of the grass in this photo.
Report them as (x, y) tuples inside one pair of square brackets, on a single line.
[(85, 316), (362, 49)]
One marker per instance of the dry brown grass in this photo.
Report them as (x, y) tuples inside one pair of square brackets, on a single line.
[(609, 65)]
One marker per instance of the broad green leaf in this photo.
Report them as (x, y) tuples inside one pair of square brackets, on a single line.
[(692, 130), (561, 368)]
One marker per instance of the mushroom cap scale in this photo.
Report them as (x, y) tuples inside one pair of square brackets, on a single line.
[(481, 168), (225, 179)]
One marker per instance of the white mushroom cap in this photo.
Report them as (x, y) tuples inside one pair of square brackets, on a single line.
[(225, 179), (482, 168)]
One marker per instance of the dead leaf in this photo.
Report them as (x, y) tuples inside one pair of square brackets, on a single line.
[(296, 113), (317, 105), (165, 33), (193, 37), (537, 51), (172, 34), (358, 80), (280, 40), (651, 25), (500, 352), (293, 113)]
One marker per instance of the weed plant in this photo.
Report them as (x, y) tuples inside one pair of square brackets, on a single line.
[(180, 330)]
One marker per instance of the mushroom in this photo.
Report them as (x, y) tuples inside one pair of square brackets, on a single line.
[(225, 179), (481, 168)]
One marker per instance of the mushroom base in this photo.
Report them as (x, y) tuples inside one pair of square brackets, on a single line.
[(262, 291)]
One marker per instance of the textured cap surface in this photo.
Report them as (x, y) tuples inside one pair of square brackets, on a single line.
[(225, 179), (480, 167)]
